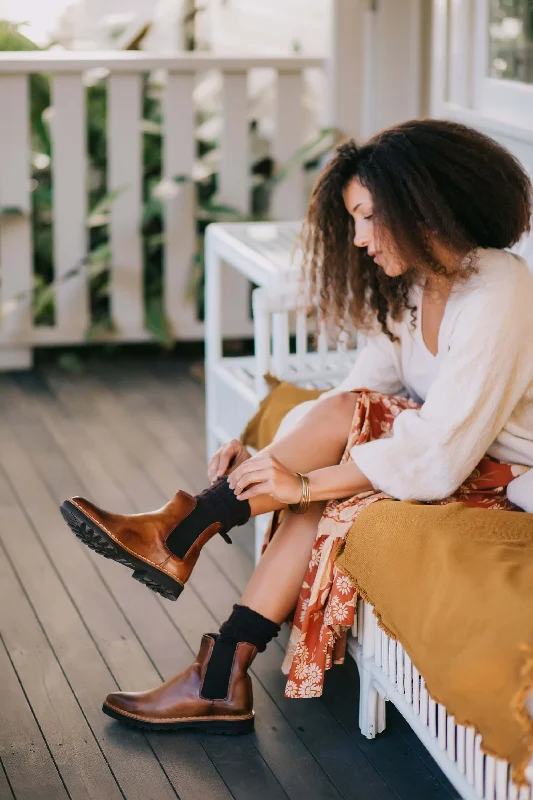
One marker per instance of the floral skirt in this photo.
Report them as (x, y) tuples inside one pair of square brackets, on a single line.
[(327, 603)]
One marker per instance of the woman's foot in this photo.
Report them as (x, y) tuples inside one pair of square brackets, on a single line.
[(163, 546), (179, 703)]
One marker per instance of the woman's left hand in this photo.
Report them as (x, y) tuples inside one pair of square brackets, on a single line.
[(264, 474)]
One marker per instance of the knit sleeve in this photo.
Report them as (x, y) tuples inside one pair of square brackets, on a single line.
[(377, 368), (481, 379)]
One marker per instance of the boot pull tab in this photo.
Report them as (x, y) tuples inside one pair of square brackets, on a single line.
[(225, 537)]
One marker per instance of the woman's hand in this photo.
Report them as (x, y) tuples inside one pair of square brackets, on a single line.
[(264, 474), (230, 454)]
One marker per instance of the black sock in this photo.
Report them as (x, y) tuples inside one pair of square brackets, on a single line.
[(244, 625), (218, 503)]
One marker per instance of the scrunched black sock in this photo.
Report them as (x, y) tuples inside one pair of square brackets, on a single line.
[(244, 625), (218, 503)]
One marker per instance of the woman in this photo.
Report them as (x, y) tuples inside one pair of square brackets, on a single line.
[(406, 237)]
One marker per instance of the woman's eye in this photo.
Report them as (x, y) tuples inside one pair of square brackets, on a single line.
[(370, 217)]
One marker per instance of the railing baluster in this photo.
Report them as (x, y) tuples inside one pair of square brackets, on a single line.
[(490, 778), (180, 226), (441, 726), (288, 198), (234, 188), (377, 645), (16, 260), (301, 338), (479, 766), (408, 679), (125, 177), (416, 690), (69, 176), (432, 716), (399, 668), (469, 754), (461, 751), (424, 702), (501, 780), (450, 737), (384, 653), (280, 342)]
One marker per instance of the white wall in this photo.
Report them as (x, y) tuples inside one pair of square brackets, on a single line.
[(269, 26)]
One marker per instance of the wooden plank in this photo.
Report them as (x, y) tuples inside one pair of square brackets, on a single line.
[(125, 176), (69, 176), (159, 637), (5, 787), (25, 757), (215, 577), (179, 204), (16, 267), (190, 769), (128, 754), (407, 774), (288, 202), (279, 724), (70, 739)]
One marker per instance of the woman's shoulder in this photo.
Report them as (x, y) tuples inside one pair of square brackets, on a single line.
[(499, 298), (503, 281), (502, 270)]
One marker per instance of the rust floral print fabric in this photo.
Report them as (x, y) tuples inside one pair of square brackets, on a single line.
[(327, 603)]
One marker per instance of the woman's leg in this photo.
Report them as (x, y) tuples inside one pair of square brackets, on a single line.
[(275, 584), (317, 441)]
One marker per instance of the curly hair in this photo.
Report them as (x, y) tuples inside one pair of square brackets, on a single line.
[(429, 179)]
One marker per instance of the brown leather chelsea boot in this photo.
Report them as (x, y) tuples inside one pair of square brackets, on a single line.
[(139, 540), (179, 704)]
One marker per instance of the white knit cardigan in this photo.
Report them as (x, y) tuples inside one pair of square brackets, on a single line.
[(480, 399)]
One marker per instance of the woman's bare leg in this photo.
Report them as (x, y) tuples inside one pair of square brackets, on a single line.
[(277, 580), (317, 441)]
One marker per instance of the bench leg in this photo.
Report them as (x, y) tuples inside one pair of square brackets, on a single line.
[(371, 707)]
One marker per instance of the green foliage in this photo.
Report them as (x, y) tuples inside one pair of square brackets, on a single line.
[(96, 265)]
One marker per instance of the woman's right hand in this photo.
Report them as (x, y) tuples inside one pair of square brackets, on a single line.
[(232, 453)]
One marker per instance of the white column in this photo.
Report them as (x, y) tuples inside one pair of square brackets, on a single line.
[(461, 52), (349, 67), (398, 53), (439, 57)]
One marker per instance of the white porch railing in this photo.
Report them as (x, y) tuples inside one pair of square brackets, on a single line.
[(18, 333)]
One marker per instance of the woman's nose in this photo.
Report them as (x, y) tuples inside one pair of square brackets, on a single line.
[(364, 241)]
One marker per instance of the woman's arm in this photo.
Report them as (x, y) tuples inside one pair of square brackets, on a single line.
[(482, 377), (334, 483), (264, 474)]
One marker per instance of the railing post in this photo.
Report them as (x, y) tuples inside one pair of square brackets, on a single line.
[(234, 191), (15, 233), (69, 181)]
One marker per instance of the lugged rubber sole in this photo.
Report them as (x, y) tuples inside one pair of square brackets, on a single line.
[(99, 540), (220, 727)]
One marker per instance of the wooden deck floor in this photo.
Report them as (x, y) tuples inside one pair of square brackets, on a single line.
[(74, 626)]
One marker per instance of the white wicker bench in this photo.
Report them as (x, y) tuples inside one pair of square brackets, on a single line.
[(386, 672)]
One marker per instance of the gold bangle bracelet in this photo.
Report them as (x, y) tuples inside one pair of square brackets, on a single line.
[(305, 501)]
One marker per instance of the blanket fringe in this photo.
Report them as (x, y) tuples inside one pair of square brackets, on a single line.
[(518, 706)]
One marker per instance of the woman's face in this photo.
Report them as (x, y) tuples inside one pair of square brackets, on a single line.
[(358, 202)]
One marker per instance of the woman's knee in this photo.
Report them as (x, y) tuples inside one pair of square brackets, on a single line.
[(339, 406)]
